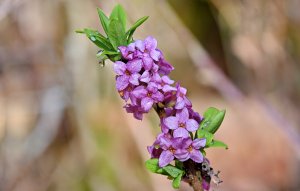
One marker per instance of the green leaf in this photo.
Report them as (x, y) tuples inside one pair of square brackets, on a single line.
[(216, 143), (152, 165), (119, 14), (203, 152), (202, 133), (212, 119), (104, 20), (176, 181), (116, 34), (172, 170), (130, 32), (98, 39), (179, 164)]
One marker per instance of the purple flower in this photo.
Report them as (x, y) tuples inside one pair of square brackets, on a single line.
[(127, 52), (192, 148), (171, 149), (126, 93), (164, 67), (163, 82), (182, 101), (155, 149), (127, 73), (150, 44), (181, 124), (195, 115), (136, 110), (148, 96)]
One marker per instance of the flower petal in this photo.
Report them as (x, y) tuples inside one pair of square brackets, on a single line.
[(140, 45), (168, 88), (198, 143), (165, 158), (181, 132), (139, 92), (183, 116), (192, 125), (152, 87), (196, 156), (134, 79), (186, 143), (167, 80), (147, 103), (122, 82), (119, 67), (158, 96), (145, 77), (179, 103), (171, 122), (182, 154), (150, 43), (155, 55), (134, 66), (147, 62)]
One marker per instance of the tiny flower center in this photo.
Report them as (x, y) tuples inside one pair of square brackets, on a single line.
[(149, 94), (121, 93), (190, 149), (172, 150), (127, 73), (182, 125)]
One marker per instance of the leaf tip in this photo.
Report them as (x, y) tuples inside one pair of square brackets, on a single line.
[(79, 31)]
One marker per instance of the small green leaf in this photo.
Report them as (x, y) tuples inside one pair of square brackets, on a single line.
[(130, 32), (216, 143), (152, 165), (202, 133), (179, 164), (98, 39), (212, 119), (116, 34), (79, 31), (172, 170), (119, 14), (104, 20), (176, 181)]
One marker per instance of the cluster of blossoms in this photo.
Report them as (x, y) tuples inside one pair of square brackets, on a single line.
[(142, 81)]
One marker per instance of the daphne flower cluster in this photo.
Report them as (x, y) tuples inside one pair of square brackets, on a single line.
[(142, 81)]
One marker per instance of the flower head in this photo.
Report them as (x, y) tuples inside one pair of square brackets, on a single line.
[(181, 124)]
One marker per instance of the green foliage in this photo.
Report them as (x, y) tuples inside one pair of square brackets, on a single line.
[(104, 20), (173, 172), (211, 123), (119, 14), (132, 29), (216, 143), (114, 27), (116, 34), (176, 181), (202, 133), (212, 119), (98, 39)]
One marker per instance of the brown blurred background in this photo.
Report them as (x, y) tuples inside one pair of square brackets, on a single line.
[(62, 126)]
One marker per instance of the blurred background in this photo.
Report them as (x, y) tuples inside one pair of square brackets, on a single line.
[(62, 125)]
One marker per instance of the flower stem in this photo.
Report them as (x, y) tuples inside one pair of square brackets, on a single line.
[(193, 175)]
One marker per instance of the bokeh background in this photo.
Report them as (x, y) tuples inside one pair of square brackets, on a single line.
[(62, 126)]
